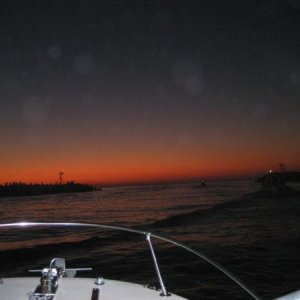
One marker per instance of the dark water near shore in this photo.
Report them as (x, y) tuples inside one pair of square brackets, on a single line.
[(255, 236)]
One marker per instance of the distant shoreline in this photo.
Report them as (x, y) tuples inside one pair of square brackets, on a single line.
[(17, 189)]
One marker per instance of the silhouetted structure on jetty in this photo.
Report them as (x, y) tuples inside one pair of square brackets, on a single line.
[(15, 189)]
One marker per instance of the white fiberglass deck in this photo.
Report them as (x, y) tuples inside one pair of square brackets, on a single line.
[(79, 289)]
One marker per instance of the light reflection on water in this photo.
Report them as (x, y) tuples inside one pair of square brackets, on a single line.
[(129, 205), (125, 206)]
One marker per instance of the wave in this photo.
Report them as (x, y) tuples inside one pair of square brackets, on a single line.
[(254, 203)]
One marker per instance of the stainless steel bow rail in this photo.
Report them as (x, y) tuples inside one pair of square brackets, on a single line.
[(148, 235)]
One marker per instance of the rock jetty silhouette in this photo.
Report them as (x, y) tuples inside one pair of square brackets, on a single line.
[(275, 182), (16, 189)]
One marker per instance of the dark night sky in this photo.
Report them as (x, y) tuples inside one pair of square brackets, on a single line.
[(128, 91)]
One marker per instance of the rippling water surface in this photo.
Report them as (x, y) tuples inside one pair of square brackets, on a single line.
[(254, 236)]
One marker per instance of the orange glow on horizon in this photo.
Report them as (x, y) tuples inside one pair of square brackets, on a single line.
[(124, 162), (141, 170)]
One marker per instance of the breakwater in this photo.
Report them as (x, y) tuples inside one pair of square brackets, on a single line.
[(22, 189)]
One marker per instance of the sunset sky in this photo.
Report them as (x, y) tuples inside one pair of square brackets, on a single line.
[(148, 91)]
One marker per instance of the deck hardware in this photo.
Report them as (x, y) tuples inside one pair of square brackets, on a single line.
[(99, 281), (40, 296), (163, 290), (150, 287), (95, 294)]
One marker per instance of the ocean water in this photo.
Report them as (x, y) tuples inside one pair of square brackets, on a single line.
[(253, 235)]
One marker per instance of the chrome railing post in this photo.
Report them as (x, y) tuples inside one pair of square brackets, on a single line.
[(162, 286)]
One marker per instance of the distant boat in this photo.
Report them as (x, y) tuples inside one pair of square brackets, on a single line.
[(202, 184)]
